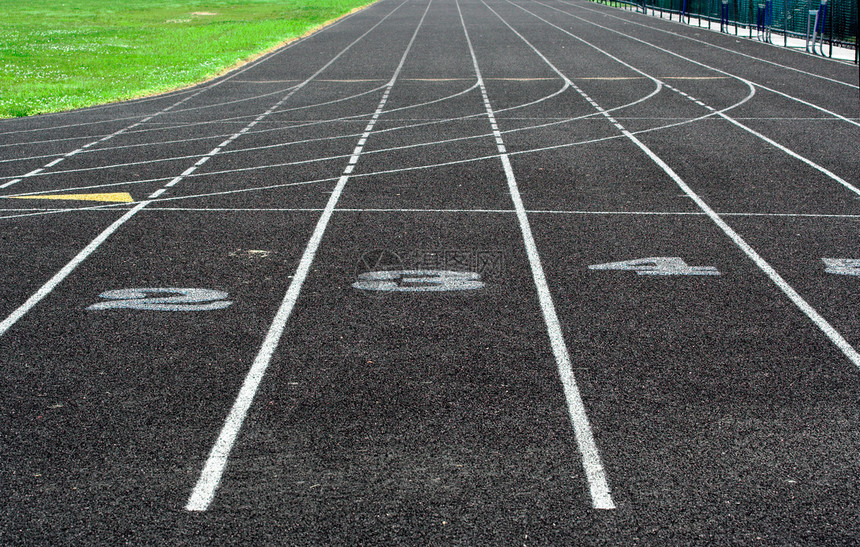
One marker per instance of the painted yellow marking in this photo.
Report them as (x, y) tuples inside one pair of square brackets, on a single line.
[(118, 197)]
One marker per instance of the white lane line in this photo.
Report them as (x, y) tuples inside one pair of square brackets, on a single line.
[(721, 113), (110, 208), (729, 50), (850, 187), (208, 86), (787, 96), (309, 123), (56, 127), (88, 145), (835, 337), (657, 89), (204, 491), (601, 497), (93, 143), (244, 150), (793, 295), (63, 273), (793, 154), (46, 289), (243, 118), (384, 172)]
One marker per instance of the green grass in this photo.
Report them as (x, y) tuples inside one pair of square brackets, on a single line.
[(62, 54)]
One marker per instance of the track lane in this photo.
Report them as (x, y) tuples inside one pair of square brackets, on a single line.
[(45, 289), (145, 247), (830, 413)]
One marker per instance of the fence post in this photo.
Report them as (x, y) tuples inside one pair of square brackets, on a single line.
[(822, 16), (817, 29), (736, 17)]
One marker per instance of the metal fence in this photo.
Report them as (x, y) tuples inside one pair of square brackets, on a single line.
[(820, 23)]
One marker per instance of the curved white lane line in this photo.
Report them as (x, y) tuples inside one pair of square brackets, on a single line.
[(183, 125), (350, 135), (817, 319), (369, 174), (383, 150), (197, 155), (703, 65), (658, 87), (286, 128), (238, 118), (61, 157), (175, 158), (355, 116), (821, 169), (718, 47), (296, 109), (208, 85), (601, 497), (126, 130)]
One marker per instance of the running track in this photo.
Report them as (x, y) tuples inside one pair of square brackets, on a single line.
[(447, 271)]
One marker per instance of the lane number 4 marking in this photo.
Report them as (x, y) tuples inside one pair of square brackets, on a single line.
[(842, 266), (657, 265), (163, 299)]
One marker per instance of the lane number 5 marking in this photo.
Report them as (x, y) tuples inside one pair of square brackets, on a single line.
[(842, 266), (163, 299)]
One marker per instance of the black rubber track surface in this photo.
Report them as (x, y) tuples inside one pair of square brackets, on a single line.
[(397, 334)]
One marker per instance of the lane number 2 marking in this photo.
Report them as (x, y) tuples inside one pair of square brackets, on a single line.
[(418, 281), (657, 265), (163, 299)]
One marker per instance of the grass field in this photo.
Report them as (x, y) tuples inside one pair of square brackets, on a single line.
[(57, 55)]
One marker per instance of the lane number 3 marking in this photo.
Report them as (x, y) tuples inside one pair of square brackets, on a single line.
[(163, 299)]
